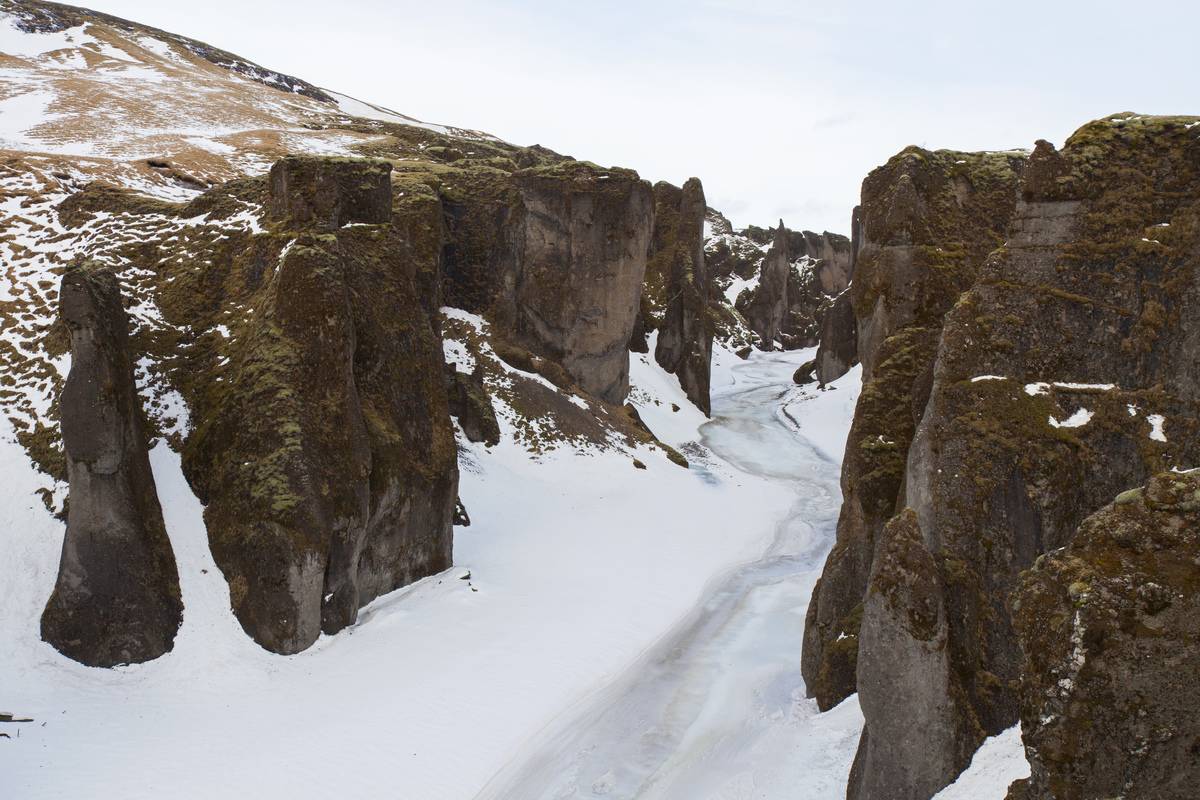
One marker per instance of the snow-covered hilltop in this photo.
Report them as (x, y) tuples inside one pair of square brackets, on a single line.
[(169, 115)]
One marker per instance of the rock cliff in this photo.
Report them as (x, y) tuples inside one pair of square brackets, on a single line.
[(676, 298), (117, 597), (928, 219), (1061, 378), (555, 256), (326, 459)]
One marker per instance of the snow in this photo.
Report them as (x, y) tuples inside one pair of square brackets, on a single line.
[(16, 42), (22, 112), (357, 108), (1078, 419), (581, 564), (979, 378), (1034, 389), (999, 761), (1157, 421), (717, 708)]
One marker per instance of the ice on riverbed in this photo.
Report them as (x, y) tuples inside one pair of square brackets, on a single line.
[(717, 707)]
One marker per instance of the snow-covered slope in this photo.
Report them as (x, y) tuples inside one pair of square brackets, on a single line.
[(111, 96), (576, 564)]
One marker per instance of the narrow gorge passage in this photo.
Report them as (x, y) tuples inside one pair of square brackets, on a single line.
[(716, 709)]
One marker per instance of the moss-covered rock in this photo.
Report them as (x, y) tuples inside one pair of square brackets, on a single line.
[(470, 405), (327, 193), (1062, 378), (322, 444), (1110, 632)]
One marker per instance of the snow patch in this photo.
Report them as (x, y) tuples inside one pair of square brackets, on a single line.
[(1157, 421), (998, 762), (1080, 418)]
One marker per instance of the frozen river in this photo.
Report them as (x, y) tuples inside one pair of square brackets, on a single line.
[(716, 708)]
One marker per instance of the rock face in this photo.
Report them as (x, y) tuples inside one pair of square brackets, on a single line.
[(766, 308), (1062, 377), (926, 223), (675, 300), (838, 350), (1110, 631), (555, 255), (327, 193), (837, 345), (117, 597), (326, 461)]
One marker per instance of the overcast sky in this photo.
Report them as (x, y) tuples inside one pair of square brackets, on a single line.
[(781, 108)]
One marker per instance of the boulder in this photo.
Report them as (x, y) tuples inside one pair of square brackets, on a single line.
[(471, 406), (116, 600)]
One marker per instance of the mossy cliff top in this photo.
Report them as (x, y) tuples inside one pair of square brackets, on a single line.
[(936, 197)]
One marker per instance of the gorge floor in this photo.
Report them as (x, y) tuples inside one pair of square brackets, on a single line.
[(716, 708), (586, 576)]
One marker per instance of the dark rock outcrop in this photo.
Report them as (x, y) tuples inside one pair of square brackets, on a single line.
[(926, 223), (675, 300), (1110, 631), (327, 193), (326, 457), (471, 406), (838, 350), (555, 256), (117, 597), (765, 309)]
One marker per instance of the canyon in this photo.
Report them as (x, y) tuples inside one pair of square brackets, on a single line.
[(392, 441)]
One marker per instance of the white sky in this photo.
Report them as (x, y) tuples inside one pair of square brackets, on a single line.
[(781, 108)]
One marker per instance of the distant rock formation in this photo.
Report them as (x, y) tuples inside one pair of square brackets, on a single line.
[(676, 297), (327, 462), (1110, 632), (816, 268), (838, 350), (765, 309), (837, 345), (117, 597)]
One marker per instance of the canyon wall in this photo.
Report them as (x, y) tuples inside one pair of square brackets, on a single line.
[(1007, 397)]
